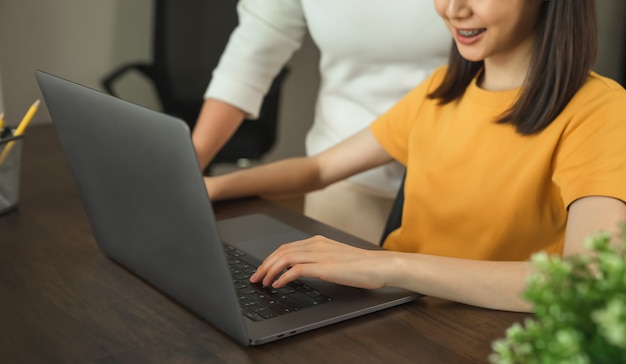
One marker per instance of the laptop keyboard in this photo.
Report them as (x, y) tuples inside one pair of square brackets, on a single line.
[(260, 303)]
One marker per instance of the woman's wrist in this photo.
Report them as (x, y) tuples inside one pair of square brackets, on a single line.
[(211, 184)]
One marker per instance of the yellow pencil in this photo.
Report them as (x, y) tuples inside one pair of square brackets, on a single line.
[(27, 118), (1, 121), (20, 129)]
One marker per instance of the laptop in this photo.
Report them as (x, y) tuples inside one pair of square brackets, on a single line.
[(144, 194)]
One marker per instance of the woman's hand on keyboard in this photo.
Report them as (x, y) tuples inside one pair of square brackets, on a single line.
[(326, 259)]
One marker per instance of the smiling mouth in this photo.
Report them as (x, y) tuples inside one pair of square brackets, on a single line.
[(470, 32)]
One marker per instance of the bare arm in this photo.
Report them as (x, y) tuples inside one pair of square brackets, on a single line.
[(303, 174), (268, 33), (216, 124), (495, 285), (499, 284)]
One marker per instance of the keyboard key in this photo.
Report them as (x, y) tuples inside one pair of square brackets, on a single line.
[(258, 302), (251, 315), (246, 290)]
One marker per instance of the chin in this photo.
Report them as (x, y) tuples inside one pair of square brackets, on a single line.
[(472, 57)]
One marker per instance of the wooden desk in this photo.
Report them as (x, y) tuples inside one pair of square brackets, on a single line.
[(62, 301)]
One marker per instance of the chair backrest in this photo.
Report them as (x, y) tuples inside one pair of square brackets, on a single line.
[(394, 220), (189, 37)]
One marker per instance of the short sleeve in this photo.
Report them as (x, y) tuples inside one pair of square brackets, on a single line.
[(591, 160), (268, 34), (392, 128)]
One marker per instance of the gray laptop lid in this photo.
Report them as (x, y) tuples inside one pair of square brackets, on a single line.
[(143, 192), (147, 206)]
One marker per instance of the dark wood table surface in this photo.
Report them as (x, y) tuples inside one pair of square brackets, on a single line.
[(63, 301)]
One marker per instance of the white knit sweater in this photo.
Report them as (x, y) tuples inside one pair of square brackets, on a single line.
[(372, 53)]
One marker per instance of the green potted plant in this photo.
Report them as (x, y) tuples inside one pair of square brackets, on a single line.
[(579, 305)]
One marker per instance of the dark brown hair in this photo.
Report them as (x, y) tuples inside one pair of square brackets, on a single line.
[(564, 51)]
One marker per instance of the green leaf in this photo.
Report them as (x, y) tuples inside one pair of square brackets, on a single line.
[(579, 305)]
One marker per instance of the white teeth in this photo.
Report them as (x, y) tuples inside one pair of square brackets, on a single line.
[(470, 33)]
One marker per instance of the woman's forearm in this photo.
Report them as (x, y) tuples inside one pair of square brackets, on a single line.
[(283, 178), (489, 284), (299, 175), (216, 124)]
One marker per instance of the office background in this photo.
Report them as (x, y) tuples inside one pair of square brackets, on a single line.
[(85, 39)]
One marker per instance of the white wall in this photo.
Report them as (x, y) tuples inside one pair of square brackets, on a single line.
[(85, 39), (612, 32), (76, 39), (1, 97)]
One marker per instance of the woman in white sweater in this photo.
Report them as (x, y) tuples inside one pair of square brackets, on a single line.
[(372, 53)]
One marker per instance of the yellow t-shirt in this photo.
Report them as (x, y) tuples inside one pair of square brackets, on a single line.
[(476, 189)]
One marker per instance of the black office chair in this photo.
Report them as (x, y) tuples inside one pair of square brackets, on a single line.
[(188, 40), (394, 220)]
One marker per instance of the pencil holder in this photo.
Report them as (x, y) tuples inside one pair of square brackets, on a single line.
[(10, 155)]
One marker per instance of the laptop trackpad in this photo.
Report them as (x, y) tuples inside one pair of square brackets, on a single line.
[(258, 235)]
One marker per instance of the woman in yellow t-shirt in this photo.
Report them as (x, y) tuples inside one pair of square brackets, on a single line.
[(515, 147)]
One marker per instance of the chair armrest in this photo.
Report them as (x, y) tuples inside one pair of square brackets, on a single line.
[(144, 68)]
